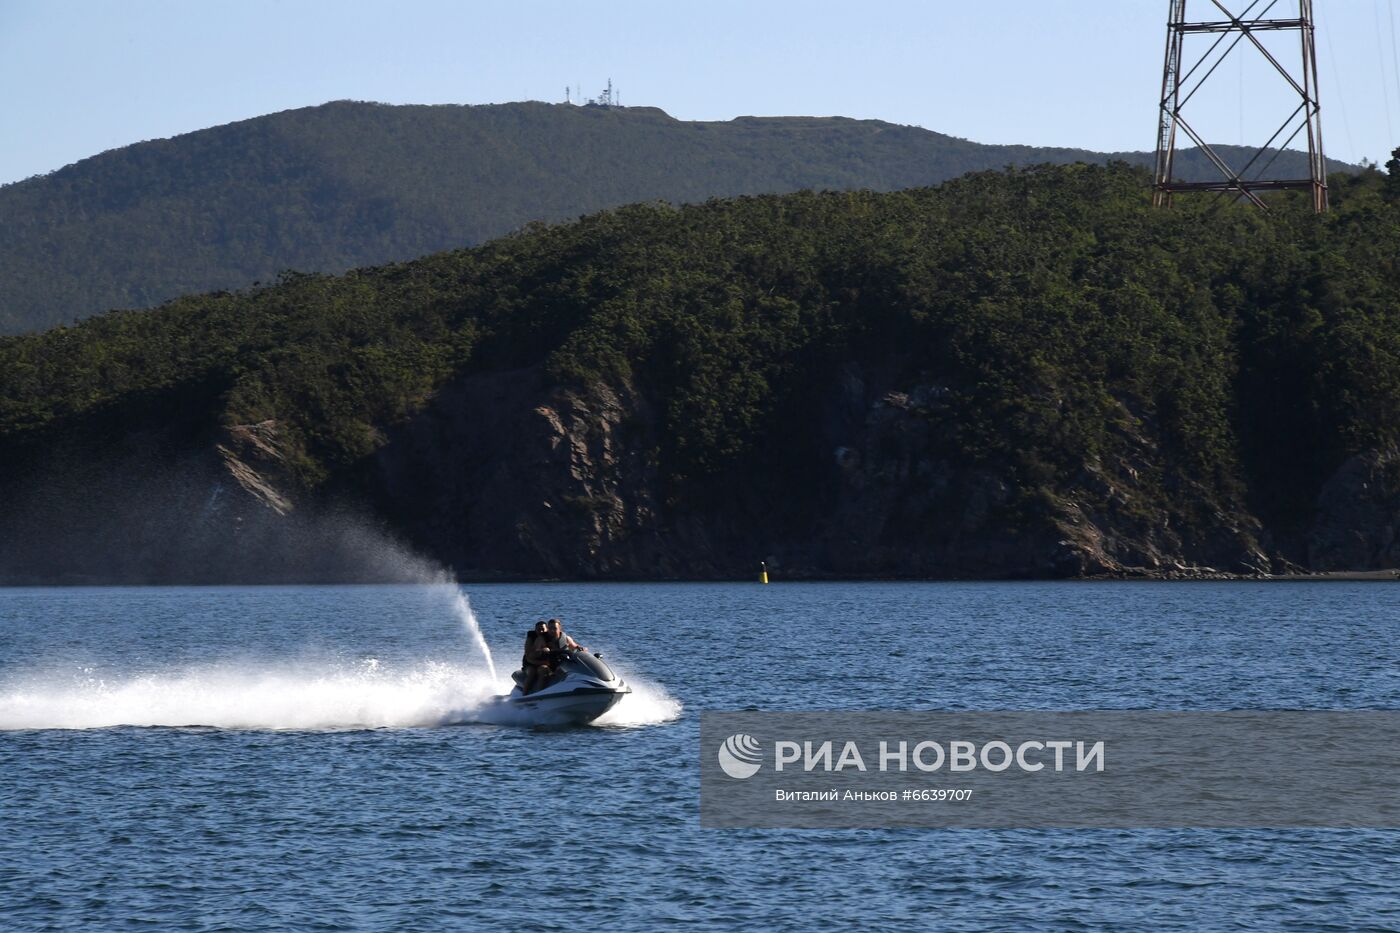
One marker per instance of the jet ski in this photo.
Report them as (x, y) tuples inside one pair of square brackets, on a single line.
[(581, 689)]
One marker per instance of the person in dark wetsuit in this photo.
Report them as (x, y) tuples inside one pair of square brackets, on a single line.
[(538, 662)]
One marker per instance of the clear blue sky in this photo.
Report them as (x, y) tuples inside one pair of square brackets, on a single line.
[(82, 76)]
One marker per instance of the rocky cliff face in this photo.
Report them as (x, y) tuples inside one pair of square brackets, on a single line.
[(505, 476), (502, 475)]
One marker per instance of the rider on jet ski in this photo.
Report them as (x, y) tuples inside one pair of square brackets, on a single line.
[(561, 682), (545, 645), (561, 641)]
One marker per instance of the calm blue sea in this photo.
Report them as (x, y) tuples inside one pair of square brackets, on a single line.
[(304, 758)]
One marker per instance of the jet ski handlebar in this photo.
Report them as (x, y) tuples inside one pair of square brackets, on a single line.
[(570, 652)]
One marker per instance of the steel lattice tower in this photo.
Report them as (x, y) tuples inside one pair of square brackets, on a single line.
[(1178, 89)]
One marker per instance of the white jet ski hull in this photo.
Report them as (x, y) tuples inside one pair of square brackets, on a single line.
[(568, 707), (583, 689)]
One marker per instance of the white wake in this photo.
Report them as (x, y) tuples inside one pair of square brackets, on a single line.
[(368, 695)]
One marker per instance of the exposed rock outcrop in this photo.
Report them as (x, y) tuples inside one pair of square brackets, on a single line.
[(501, 475), (248, 449)]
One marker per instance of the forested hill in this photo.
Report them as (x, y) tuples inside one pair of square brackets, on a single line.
[(1021, 373), (343, 185)]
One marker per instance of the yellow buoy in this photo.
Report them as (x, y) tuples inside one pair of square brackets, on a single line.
[(763, 572)]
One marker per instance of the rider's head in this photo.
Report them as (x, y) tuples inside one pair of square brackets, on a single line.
[(542, 627), (556, 628)]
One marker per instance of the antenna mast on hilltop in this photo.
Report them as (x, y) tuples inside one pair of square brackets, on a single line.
[(1180, 85)]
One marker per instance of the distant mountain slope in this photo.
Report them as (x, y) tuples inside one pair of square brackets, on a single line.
[(329, 188)]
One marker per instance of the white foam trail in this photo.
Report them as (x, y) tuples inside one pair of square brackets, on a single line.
[(648, 704), (329, 697), (367, 696), (463, 607)]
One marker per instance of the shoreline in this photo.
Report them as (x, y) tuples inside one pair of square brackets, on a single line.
[(1185, 575), (1208, 574)]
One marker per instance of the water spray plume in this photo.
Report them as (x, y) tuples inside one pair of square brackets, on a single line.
[(463, 607)]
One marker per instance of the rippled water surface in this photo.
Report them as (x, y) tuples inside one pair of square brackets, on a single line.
[(309, 758)]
